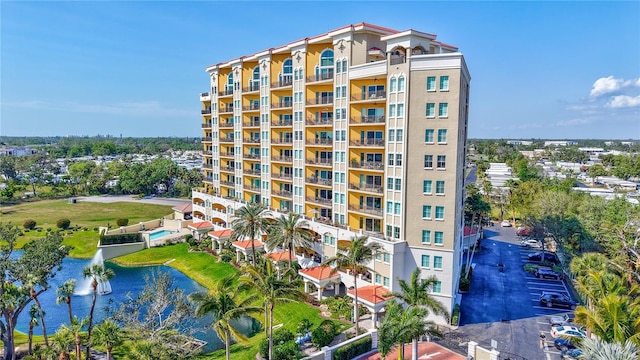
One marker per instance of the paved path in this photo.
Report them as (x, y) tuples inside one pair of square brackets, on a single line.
[(132, 198)]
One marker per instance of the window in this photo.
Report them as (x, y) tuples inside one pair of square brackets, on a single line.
[(426, 186), (389, 183), (440, 187), (398, 159), (396, 232), (437, 262), (428, 136), (426, 236), (393, 85), (426, 211), (338, 66), (444, 83), (391, 157), (431, 83), (386, 257), (378, 278), (437, 287), (431, 110), (400, 109), (385, 281), (442, 162), (389, 207), (392, 110), (398, 184), (439, 212), (401, 84), (392, 135), (438, 238), (396, 208), (428, 161), (389, 230), (425, 261), (443, 110), (399, 135), (378, 256), (442, 136)]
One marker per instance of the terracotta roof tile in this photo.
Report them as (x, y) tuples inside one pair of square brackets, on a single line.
[(186, 208), (219, 234), (279, 256), (202, 225), (320, 273), (246, 244), (372, 293)]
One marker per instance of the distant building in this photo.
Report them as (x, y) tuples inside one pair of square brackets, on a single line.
[(17, 151), (519, 142), (560, 143), (537, 153)]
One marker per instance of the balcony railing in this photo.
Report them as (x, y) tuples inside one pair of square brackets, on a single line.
[(282, 141), (319, 181), (321, 77), (367, 119), (367, 187), (226, 139), (208, 178), (367, 142), (226, 92), (206, 125), (251, 107), (227, 183), (282, 104), (322, 141), (251, 188), (227, 168), (205, 96), (311, 120), (226, 109), (251, 156), (282, 158), (206, 138), (252, 140), (375, 95), (283, 193), (286, 81), (317, 161), (207, 153), (251, 172), (251, 123), (207, 166), (205, 112), (320, 101), (397, 60), (370, 165), (284, 122), (253, 86), (283, 176), (227, 153), (226, 124), (319, 200), (366, 209)]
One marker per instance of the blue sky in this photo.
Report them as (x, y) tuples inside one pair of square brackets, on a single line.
[(539, 69)]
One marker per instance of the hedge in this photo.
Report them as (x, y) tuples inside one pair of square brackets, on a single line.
[(29, 224), (354, 349), (323, 335), (280, 336), (63, 224), (120, 239)]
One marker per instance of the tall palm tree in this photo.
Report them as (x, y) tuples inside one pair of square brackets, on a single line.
[(225, 303), (65, 292), (599, 349), (62, 341), (109, 334), (290, 231), (354, 256), (250, 221), (32, 282), (75, 327), (615, 318), (97, 274), (264, 279), (33, 322), (417, 294)]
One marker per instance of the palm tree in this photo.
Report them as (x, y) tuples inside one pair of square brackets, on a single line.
[(225, 304), (599, 349), (62, 341), (108, 333), (32, 282), (33, 322), (75, 327), (417, 294), (97, 274), (65, 291), (264, 280), (353, 256), (250, 221), (290, 231)]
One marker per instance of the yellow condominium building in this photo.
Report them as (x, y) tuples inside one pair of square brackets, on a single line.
[(363, 131)]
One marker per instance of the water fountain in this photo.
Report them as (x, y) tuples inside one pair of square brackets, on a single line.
[(84, 285)]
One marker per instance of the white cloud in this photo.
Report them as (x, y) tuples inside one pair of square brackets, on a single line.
[(610, 84), (624, 101)]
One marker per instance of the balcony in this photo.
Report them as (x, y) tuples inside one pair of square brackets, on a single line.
[(319, 200), (374, 95), (368, 165), (208, 178), (286, 81), (319, 162), (282, 176), (287, 159), (397, 60), (319, 181), (227, 139), (206, 125), (227, 183), (206, 139), (282, 141), (207, 166), (226, 109), (251, 156), (373, 188), (356, 120), (226, 92), (282, 105), (205, 111), (253, 123), (284, 122), (254, 140), (254, 172), (253, 86), (251, 107), (251, 188), (320, 142), (205, 96), (321, 77), (282, 193), (325, 100), (367, 142), (207, 153), (227, 168), (227, 154), (326, 121), (226, 124), (369, 210)]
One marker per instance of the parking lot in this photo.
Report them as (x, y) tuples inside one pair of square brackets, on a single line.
[(504, 306)]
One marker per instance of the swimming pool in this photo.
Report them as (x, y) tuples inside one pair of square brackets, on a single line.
[(159, 234)]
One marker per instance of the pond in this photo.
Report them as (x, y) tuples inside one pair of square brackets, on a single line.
[(127, 280)]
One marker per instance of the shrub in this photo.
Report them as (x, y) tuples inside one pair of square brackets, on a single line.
[(339, 306), (287, 351), (455, 316), (48, 229), (465, 284), (280, 336), (323, 335), (63, 224), (226, 255), (530, 268), (304, 326), (122, 222), (354, 349), (29, 224)]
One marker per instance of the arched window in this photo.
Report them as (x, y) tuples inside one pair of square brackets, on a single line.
[(287, 68), (230, 80), (286, 77), (254, 82), (325, 69), (326, 58)]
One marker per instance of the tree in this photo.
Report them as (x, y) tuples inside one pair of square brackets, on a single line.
[(30, 284), (97, 274), (40, 259), (265, 280), (65, 292), (108, 334), (599, 349), (63, 339), (401, 326), (250, 221), (354, 256), (224, 302), (290, 231), (416, 293), (474, 208), (75, 328), (596, 170), (33, 322)]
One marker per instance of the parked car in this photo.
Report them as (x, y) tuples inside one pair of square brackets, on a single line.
[(523, 231), (544, 272), (553, 299), (565, 319), (550, 257), (531, 243), (563, 344), (571, 353), (567, 332), (505, 223)]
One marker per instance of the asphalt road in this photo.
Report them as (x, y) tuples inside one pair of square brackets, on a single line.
[(504, 306)]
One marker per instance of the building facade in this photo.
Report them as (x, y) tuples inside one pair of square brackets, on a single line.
[(362, 130)]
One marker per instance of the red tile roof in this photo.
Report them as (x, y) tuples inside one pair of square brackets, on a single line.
[(320, 273), (219, 234), (186, 208), (372, 293), (202, 225), (280, 256), (246, 244)]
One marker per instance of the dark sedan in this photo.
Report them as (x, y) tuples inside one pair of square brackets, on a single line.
[(552, 299), (546, 273), (548, 257)]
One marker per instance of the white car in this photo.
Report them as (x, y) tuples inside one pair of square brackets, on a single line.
[(531, 243), (505, 223), (567, 331)]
